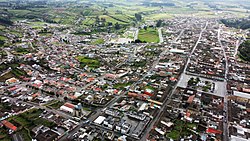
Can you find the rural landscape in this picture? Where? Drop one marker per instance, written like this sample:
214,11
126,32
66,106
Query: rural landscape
124,70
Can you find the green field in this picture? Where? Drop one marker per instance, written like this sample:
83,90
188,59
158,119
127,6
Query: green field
2,27
16,33
122,85
21,50
158,16
97,42
90,62
150,35
114,19
2,38
88,21
37,25
54,104
19,13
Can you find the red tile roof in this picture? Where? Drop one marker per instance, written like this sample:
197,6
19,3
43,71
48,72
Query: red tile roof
213,131
9,125
190,99
98,89
13,88
116,91
35,95
90,79
72,106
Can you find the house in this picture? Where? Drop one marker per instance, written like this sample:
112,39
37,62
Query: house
89,98
68,107
179,51
11,80
9,125
125,128
109,135
40,129
136,115
99,120
109,122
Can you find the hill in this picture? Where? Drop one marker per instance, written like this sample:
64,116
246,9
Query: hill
244,51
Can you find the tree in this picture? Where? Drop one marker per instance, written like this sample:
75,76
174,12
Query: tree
159,23
1,42
138,41
244,51
198,79
145,27
110,23
103,19
117,26
138,17
191,81
97,19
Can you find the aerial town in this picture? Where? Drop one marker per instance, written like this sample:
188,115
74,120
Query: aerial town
101,78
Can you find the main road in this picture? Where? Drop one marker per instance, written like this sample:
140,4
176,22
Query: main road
194,48
97,112
136,34
160,35
225,108
168,99
36,105
165,102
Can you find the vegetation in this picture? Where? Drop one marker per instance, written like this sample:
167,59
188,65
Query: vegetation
97,42
193,82
5,21
181,129
138,16
26,134
25,122
30,119
2,40
90,62
22,50
239,23
55,104
4,135
122,85
244,51
15,72
140,63
149,87
149,35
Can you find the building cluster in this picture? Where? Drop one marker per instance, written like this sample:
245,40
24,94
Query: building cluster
207,59
191,115
59,85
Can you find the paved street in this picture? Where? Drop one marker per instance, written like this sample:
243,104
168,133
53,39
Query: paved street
136,34
224,90
137,68
160,35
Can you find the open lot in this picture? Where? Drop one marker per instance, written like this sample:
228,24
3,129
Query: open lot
93,63
218,91
150,35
